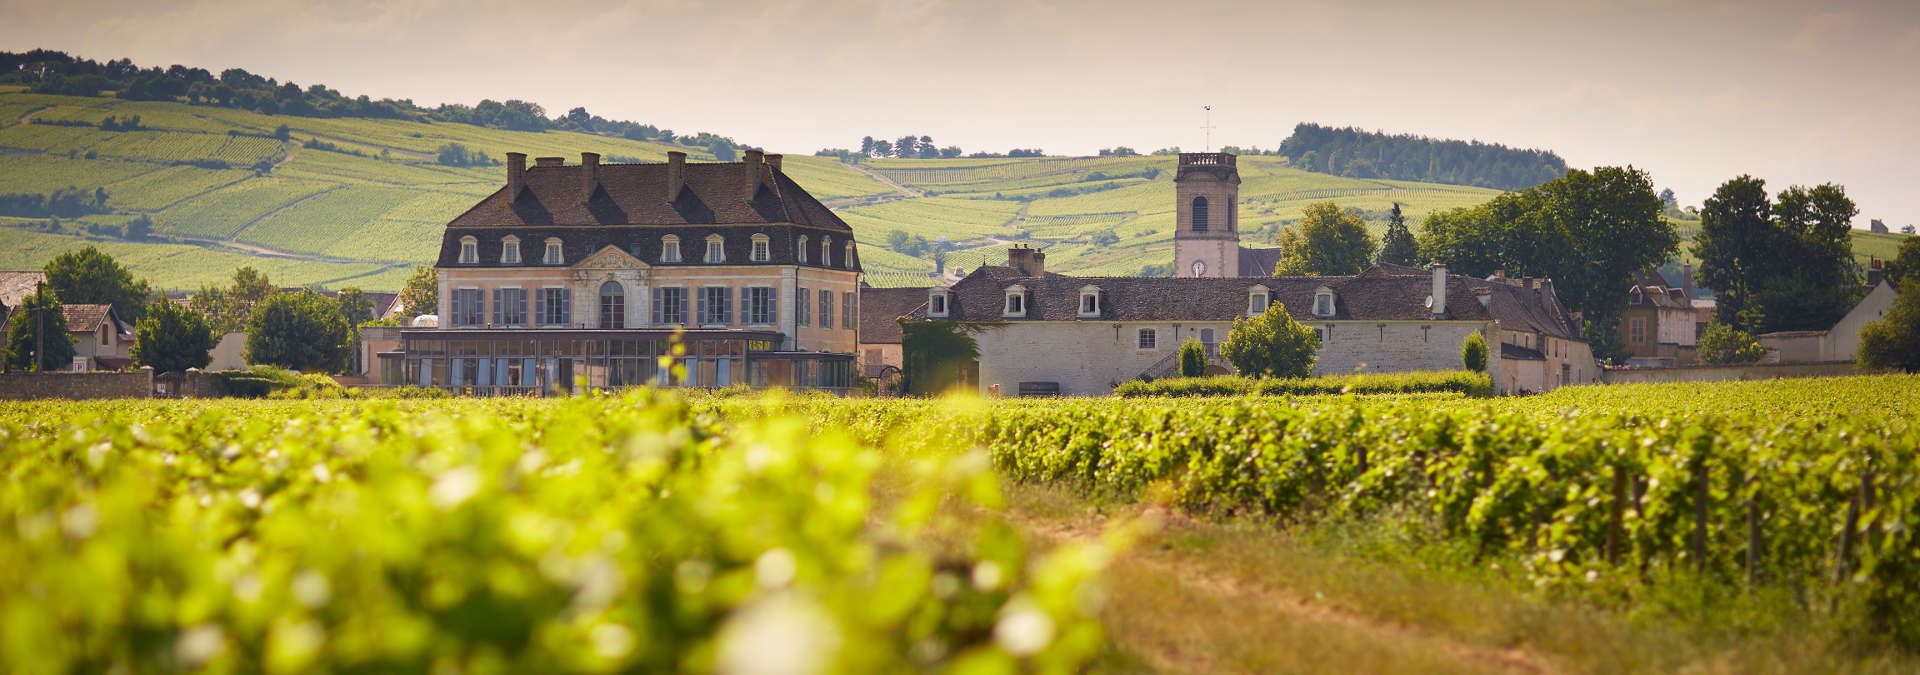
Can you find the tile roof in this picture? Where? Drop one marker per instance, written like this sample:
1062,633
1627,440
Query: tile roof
1654,290
16,285
634,194
880,309
87,318
1381,293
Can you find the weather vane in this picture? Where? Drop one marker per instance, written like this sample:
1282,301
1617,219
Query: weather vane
1208,127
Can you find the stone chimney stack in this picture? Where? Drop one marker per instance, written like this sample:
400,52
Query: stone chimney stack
773,161
676,173
589,175
1876,271
1027,261
516,173
752,159
1439,290
1686,282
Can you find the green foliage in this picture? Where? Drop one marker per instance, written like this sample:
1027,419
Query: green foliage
455,154
1327,242
421,294
173,338
299,331
91,277
937,355
1775,265
53,326
1473,353
1906,265
1587,231
596,534
228,309
1398,246
1193,359
1366,154
1272,345
1723,344
1893,341
1435,382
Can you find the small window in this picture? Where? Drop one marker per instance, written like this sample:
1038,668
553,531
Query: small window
1016,302
670,249
826,251
1639,330
937,303
1323,303
800,250
1257,300
1149,338
846,258
469,251
716,249
761,248
1089,301
510,251
555,254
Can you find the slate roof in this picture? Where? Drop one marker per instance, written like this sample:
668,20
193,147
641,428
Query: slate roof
1258,262
16,285
644,242
1655,291
880,309
1381,293
635,194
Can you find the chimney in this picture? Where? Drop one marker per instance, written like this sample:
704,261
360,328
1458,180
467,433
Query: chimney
589,175
751,159
1439,290
773,160
1686,282
1876,271
1029,262
676,173
516,174
1526,282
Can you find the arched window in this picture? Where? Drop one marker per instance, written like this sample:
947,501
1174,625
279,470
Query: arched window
510,250
800,250
1199,214
469,251
716,249
613,305
826,251
761,248
847,258
670,249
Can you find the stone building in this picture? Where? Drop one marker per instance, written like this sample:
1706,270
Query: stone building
730,272
880,336
1841,342
1206,235
1046,333
1659,324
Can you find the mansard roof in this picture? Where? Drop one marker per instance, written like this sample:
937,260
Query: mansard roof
636,194
644,242
1381,293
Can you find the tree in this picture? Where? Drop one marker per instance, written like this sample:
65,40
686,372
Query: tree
906,147
421,294
1735,247
173,338
1193,359
299,331
1893,342
1784,264
52,326
1473,353
1724,344
1668,200
1272,345
227,309
1328,241
1905,265
883,148
937,354
354,306
866,146
90,277
1398,246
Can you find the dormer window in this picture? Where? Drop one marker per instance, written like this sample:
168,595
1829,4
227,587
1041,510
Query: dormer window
1016,302
555,254
1323,302
800,250
847,258
510,250
1258,298
670,249
826,251
716,249
937,302
1089,301
761,248
469,251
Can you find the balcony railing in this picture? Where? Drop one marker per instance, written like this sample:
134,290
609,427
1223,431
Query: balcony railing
1207,159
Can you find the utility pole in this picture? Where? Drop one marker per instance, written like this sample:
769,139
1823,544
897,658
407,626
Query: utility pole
39,325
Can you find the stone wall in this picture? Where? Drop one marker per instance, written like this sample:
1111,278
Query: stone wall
1758,371
26,386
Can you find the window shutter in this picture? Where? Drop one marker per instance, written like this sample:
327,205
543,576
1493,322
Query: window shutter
738,314
656,305
539,306
773,305
497,293
566,307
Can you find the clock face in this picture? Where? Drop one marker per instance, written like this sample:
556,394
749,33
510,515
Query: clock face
1199,268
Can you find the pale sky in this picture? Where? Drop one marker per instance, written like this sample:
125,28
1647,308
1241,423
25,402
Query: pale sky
1693,92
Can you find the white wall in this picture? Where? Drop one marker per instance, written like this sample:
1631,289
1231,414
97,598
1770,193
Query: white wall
1843,341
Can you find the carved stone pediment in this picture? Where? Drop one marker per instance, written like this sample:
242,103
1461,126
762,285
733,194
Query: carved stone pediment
611,258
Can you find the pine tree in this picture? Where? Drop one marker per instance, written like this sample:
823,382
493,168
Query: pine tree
1398,246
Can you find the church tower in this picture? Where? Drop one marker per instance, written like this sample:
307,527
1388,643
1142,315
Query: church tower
1206,237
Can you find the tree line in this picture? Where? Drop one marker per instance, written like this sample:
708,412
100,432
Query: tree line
1370,154
54,72
911,146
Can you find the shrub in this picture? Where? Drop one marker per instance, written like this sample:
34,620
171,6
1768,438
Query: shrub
1725,345
301,331
1429,382
1893,342
1473,353
1193,359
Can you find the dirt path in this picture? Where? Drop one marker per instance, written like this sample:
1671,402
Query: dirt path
900,191
27,117
1147,579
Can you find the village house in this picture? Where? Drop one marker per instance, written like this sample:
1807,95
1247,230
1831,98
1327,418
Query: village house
101,339
881,357
1659,325
1044,333
1840,343
729,272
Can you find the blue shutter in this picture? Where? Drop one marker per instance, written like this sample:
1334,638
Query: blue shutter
656,305
773,305
566,307
497,316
